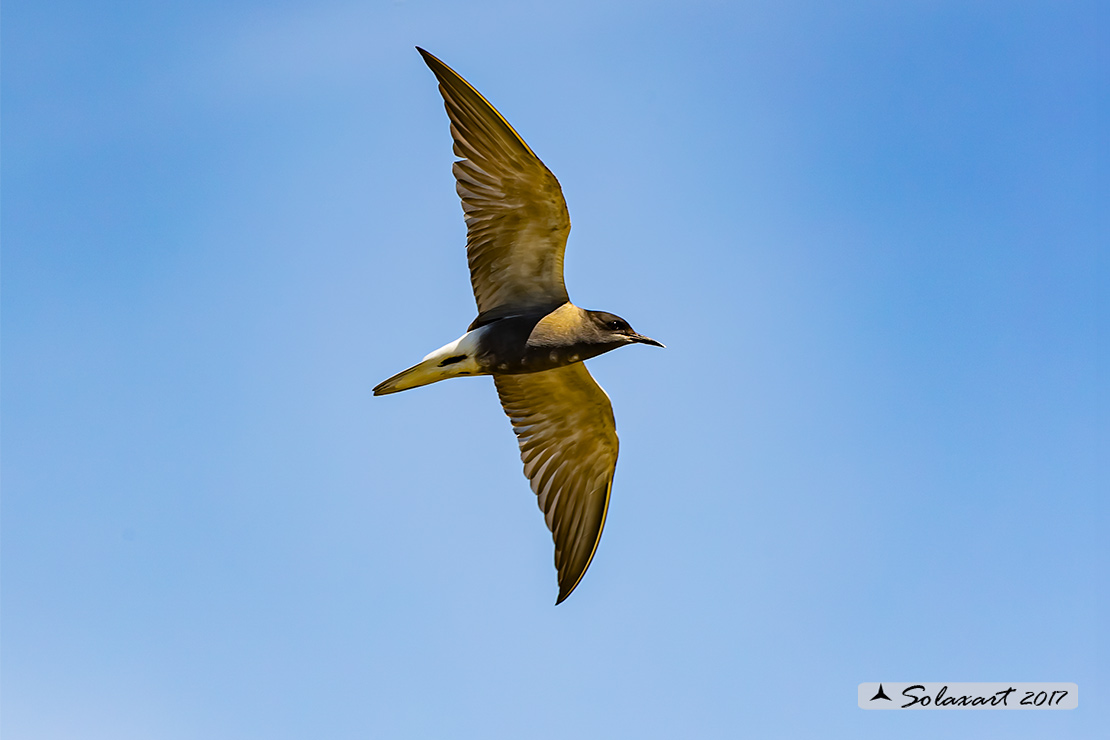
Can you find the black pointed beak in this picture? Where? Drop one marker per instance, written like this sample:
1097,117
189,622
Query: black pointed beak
647,340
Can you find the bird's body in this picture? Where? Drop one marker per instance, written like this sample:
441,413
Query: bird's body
528,335
515,345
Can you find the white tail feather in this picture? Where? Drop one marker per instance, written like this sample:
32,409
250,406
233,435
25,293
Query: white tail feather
449,361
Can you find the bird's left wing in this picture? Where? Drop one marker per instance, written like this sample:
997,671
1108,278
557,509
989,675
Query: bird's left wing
568,442
516,218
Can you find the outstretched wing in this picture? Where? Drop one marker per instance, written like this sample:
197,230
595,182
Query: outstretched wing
516,219
568,442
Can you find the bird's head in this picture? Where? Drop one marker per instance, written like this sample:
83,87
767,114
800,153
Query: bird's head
615,330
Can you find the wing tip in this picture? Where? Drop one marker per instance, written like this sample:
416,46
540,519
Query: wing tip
435,63
564,593
570,581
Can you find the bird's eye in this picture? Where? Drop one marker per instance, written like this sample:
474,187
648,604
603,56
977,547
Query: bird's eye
617,325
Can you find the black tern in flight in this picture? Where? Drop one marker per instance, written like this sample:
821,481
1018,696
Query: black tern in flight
528,335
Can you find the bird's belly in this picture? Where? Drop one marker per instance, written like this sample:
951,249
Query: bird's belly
535,359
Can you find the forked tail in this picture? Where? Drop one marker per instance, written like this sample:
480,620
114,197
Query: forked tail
449,361
420,374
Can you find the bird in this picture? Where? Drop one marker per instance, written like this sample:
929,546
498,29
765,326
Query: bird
528,335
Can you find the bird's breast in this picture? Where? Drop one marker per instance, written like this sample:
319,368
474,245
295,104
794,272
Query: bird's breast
540,340
525,344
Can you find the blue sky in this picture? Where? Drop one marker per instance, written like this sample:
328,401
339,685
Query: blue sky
871,235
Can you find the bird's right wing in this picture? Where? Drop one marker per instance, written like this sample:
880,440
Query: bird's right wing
516,218
568,442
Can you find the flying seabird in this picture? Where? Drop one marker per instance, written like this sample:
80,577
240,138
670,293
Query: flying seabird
528,335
